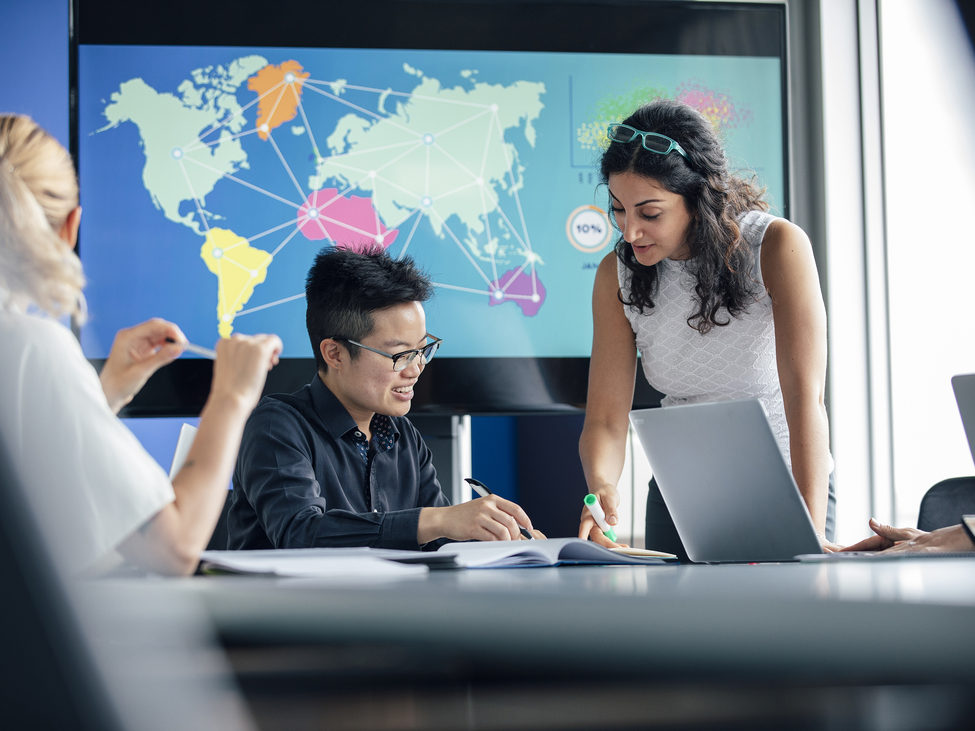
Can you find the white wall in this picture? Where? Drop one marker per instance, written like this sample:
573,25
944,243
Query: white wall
928,75
853,443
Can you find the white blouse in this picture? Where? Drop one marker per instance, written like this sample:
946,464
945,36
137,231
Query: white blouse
736,361
88,479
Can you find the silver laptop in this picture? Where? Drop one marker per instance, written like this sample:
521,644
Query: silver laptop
964,387
725,481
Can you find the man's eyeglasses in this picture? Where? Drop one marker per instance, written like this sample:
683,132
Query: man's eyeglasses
660,144
402,361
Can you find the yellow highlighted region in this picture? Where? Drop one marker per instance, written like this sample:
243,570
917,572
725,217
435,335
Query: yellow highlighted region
239,268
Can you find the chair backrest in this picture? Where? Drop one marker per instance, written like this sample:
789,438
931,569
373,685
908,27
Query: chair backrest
221,531
50,679
945,503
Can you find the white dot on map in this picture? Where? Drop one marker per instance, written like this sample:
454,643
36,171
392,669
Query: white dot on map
226,318
372,173
494,107
480,181
176,153
312,213
428,139
535,298
426,201
217,253
253,273
498,294
379,238
289,78
263,128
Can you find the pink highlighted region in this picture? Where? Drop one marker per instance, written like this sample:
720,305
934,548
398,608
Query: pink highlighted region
516,286
352,223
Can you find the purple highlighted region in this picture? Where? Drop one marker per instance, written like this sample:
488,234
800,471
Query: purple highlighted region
516,286
351,222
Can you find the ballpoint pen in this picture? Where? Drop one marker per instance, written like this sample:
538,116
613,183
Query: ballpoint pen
481,489
198,349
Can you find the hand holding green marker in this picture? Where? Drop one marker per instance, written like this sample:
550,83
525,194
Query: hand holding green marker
592,502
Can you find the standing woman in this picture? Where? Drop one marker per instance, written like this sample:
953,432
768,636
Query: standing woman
721,299
96,493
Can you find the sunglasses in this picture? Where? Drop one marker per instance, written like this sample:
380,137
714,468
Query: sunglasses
660,144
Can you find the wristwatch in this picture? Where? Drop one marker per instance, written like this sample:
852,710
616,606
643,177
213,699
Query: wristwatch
968,523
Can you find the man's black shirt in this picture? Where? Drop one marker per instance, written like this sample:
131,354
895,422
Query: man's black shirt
306,477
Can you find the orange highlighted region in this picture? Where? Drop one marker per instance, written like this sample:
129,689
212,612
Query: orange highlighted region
279,88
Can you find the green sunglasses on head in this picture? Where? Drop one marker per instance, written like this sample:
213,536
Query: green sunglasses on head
660,144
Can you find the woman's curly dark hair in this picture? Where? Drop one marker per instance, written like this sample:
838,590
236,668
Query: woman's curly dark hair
714,198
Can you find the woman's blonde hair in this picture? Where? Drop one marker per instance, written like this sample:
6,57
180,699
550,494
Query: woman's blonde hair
38,189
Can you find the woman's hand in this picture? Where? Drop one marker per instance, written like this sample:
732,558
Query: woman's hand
136,354
952,539
241,367
609,499
828,546
886,537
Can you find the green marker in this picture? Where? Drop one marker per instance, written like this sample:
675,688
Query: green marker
592,502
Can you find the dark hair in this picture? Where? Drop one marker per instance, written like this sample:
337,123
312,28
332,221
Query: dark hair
345,287
723,261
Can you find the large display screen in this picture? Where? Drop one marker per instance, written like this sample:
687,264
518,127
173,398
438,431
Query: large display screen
211,175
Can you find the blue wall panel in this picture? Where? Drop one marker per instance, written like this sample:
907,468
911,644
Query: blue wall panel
34,59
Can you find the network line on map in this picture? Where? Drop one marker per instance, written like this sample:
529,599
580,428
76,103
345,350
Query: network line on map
314,212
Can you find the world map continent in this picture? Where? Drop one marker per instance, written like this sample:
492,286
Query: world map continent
441,154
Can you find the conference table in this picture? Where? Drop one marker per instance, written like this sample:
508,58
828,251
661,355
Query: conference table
856,644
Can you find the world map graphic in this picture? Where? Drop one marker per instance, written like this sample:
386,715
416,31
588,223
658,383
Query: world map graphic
481,171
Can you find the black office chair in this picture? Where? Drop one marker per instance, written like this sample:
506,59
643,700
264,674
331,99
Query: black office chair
99,658
221,534
50,680
945,503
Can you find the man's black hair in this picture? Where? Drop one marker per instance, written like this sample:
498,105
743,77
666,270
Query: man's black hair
345,287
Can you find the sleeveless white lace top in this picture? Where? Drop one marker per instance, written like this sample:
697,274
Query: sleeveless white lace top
736,361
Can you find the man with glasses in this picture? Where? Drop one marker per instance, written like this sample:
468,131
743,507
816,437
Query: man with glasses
337,464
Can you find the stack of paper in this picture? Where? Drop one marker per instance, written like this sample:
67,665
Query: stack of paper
340,564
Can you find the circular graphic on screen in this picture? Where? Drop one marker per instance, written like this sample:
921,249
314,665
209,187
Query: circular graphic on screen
588,229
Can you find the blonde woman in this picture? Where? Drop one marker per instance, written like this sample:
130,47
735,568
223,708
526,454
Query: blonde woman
97,494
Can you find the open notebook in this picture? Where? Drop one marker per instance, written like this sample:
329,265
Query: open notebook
544,552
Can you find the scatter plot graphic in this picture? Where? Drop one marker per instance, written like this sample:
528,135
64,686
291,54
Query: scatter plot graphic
720,109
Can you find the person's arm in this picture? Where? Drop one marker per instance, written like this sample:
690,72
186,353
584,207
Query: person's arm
490,518
612,373
790,275
952,539
172,541
136,354
888,539
484,519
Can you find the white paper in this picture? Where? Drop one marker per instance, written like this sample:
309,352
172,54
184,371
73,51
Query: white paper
345,565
